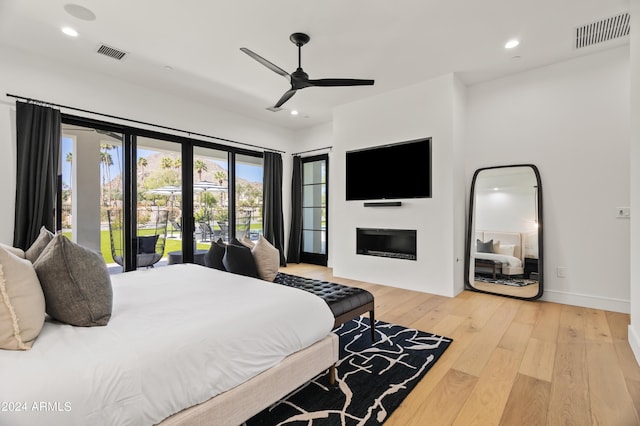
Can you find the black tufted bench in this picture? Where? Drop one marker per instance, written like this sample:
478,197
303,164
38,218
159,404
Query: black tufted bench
345,302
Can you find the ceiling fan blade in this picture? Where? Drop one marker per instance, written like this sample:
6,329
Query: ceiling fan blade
288,94
333,82
266,63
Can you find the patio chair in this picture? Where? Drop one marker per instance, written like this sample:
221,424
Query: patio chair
175,225
205,231
243,226
149,241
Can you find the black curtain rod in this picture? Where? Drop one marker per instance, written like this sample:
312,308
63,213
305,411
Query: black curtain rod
143,122
312,150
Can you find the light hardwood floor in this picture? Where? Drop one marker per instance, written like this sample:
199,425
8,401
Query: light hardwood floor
512,362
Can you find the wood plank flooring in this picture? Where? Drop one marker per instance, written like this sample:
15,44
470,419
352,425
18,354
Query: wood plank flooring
512,362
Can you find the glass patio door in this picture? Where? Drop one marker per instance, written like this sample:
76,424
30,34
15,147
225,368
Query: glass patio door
314,209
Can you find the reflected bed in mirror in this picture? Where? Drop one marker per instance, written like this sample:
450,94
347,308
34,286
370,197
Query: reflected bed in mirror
504,233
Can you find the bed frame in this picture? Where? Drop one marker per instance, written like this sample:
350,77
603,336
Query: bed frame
246,400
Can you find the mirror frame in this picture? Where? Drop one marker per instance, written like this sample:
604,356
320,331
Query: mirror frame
470,218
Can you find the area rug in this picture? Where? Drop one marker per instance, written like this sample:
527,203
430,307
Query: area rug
371,379
515,282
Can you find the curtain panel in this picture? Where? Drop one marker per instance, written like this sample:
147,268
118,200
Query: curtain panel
295,234
38,133
273,220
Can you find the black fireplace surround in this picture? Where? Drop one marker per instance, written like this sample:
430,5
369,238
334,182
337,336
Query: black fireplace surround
395,243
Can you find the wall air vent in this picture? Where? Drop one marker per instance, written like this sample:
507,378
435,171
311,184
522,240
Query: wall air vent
111,52
603,30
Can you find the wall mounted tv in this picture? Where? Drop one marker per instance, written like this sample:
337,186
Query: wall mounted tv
390,172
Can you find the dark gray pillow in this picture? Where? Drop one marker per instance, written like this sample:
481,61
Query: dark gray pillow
484,247
76,283
239,260
146,244
44,237
213,258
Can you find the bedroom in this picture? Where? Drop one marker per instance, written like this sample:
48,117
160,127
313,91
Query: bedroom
544,116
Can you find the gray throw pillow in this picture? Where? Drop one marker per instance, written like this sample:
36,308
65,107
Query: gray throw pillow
239,260
44,237
76,283
213,258
484,247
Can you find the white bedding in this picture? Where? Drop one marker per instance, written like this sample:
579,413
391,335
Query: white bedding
178,336
509,260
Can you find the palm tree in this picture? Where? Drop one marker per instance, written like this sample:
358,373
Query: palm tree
177,163
69,159
107,162
166,162
199,166
220,176
142,163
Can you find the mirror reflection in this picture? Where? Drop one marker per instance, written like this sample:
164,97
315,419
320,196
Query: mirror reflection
504,241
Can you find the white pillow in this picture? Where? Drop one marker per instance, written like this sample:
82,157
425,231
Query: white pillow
15,250
267,259
506,250
22,305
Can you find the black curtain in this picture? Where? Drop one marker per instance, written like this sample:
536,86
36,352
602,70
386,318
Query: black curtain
295,234
38,152
272,208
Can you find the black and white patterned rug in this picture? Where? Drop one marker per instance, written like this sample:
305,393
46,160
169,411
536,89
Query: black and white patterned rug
515,282
371,380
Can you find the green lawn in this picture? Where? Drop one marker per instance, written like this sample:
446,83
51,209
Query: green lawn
171,244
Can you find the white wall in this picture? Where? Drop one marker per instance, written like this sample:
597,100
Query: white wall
39,78
571,120
634,328
422,110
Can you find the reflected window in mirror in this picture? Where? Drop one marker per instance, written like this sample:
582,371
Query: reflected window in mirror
504,234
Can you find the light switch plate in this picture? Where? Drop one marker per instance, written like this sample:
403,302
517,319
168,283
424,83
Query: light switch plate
623,212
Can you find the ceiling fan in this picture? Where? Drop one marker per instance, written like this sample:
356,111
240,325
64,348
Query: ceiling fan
300,79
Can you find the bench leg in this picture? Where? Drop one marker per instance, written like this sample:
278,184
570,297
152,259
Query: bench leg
372,320
332,375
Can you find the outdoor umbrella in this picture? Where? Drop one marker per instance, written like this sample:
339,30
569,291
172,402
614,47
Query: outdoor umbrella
168,190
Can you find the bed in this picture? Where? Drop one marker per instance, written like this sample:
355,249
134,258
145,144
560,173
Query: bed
506,256
185,345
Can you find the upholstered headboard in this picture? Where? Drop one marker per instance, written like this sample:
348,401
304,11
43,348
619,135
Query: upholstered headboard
505,238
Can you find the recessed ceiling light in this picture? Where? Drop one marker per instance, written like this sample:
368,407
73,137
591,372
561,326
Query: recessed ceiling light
79,12
511,44
496,189
70,32
294,112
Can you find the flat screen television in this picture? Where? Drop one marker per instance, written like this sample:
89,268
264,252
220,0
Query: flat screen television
390,172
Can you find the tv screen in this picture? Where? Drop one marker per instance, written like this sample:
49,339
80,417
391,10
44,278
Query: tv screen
400,170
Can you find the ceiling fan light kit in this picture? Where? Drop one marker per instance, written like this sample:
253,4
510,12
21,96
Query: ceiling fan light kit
300,79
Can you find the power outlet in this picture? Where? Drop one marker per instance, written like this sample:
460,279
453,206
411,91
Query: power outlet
561,272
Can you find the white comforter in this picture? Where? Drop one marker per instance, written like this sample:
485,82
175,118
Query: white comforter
502,258
178,336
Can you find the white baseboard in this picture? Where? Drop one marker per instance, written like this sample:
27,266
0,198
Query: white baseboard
634,342
587,301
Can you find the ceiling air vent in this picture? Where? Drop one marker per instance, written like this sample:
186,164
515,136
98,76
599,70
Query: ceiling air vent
111,52
604,30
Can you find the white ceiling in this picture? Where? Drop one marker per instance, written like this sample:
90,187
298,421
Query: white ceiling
396,43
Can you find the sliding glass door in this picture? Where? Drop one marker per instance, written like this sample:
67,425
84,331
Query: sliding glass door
91,186
248,198
314,209
210,196
146,199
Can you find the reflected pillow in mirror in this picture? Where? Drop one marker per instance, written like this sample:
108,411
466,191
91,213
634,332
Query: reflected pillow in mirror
484,247
507,249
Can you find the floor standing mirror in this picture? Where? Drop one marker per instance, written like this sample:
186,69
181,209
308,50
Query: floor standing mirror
504,234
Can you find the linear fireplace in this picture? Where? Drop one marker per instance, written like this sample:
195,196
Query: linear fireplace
396,243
